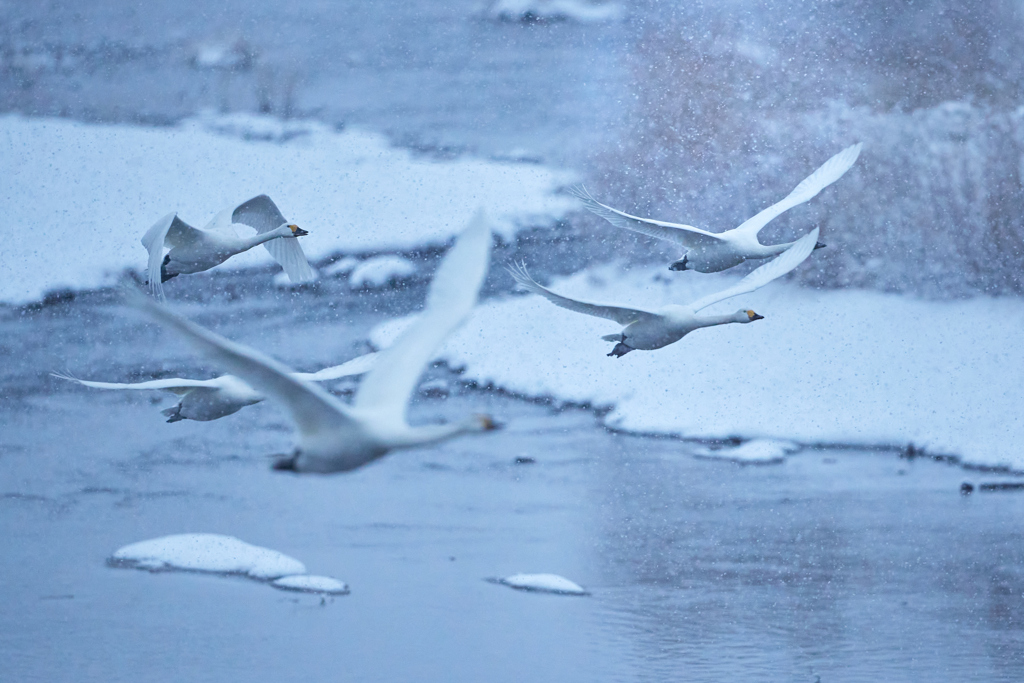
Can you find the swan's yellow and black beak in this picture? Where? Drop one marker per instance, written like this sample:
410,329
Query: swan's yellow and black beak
297,231
754,316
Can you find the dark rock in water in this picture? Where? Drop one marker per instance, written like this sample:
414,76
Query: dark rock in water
1002,486
966,489
524,460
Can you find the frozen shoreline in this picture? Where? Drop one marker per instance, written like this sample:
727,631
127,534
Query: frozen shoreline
836,367
78,197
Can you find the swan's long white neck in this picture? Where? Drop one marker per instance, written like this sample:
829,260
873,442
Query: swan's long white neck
261,237
428,434
768,250
712,320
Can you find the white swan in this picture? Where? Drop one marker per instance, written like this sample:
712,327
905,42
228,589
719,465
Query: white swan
194,250
211,399
648,331
332,436
709,252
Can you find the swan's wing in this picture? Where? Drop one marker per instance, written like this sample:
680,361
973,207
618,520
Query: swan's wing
262,214
356,366
169,230
453,293
172,384
686,235
776,268
622,316
829,172
313,409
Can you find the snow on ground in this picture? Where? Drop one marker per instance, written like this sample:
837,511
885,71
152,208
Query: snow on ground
836,366
78,197
554,10
753,452
543,583
342,266
208,553
380,271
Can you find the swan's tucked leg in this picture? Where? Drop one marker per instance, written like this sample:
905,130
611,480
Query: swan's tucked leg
174,413
286,463
621,349
819,245
678,265
164,275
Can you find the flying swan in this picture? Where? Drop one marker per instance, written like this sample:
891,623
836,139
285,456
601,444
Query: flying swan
211,399
709,252
648,331
194,250
333,436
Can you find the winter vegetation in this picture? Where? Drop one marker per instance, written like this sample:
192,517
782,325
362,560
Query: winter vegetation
731,114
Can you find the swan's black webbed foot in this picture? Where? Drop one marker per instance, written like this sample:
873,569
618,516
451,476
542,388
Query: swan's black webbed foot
620,350
286,463
819,245
679,265
174,414
164,275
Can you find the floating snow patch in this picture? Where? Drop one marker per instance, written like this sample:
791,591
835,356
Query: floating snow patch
207,553
754,452
380,271
554,10
86,193
217,554
342,266
824,366
542,583
309,583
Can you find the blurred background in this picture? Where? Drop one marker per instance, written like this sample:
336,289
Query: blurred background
696,112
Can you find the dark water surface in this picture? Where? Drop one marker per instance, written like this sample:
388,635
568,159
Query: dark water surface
430,74
843,565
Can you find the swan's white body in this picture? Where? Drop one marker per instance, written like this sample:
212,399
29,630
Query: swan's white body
332,436
649,330
211,399
709,252
194,250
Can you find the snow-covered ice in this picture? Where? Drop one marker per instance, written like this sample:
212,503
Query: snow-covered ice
380,271
753,452
543,583
342,266
212,553
554,10
78,197
310,583
835,366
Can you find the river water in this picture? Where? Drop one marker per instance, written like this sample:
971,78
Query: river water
838,565
843,564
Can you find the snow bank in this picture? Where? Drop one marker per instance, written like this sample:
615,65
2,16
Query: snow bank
78,197
342,266
850,367
380,271
753,452
542,583
208,553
